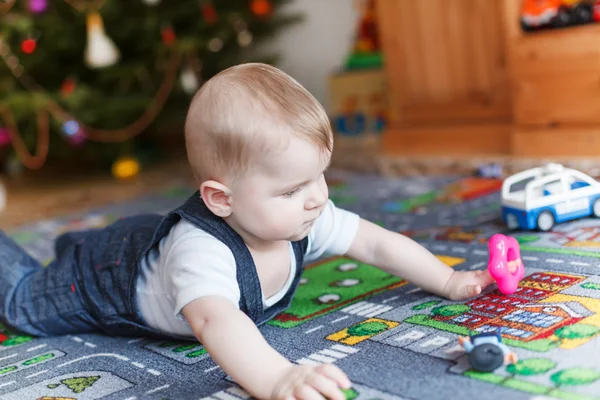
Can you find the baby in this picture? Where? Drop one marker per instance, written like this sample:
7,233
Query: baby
231,257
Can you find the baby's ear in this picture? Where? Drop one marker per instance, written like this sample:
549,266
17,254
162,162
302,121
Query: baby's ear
217,198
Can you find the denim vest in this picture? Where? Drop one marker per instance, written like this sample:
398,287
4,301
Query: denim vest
108,263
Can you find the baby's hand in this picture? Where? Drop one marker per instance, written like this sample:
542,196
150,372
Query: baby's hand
312,382
466,284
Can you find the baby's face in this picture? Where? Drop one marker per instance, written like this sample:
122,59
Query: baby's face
282,197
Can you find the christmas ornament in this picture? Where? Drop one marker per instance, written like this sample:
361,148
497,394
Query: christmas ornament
4,137
261,8
78,138
151,2
125,168
73,132
244,38
28,45
237,22
100,51
189,81
38,6
67,87
168,35
215,44
208,12
70,127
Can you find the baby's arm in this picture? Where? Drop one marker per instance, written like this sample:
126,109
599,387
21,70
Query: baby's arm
401,256
237,346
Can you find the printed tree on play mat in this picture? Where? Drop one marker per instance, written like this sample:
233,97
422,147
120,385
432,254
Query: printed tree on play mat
530,367
367,328
573,377
451,310
76,384
426,305
576,331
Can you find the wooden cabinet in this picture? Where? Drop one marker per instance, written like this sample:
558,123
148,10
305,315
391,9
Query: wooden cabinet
555,89
466,80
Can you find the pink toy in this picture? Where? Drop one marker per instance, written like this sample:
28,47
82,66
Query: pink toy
505,263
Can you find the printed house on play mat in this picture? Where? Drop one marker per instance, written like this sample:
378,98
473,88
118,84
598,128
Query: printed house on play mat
521,316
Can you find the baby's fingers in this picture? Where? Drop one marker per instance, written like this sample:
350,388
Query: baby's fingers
466,291
327,387
336,374
484,278
307,392
474,290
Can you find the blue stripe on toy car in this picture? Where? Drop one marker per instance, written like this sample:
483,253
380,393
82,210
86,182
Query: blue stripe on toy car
582,207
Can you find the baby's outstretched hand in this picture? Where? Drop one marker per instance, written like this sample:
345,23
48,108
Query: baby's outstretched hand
467,284
311,382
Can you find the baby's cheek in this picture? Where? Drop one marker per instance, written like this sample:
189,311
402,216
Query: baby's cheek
282,224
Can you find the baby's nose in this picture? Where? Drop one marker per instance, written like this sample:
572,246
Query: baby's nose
317,199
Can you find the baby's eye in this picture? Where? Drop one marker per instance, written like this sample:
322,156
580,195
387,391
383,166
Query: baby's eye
291,193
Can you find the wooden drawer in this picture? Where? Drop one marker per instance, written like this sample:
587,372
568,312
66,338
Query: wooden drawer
556,77
556,142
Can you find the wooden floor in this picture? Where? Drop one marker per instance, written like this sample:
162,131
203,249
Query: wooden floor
49,194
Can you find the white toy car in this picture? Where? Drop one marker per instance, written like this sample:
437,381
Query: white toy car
540,197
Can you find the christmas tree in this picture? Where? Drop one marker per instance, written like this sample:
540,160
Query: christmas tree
95,79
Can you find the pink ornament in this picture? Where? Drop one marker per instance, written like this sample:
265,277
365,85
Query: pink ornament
78,138
504,263
38,6
4,137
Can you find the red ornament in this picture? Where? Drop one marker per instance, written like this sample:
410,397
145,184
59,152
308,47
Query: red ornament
597,11
209,13
28,46
168,35
67,87
261,8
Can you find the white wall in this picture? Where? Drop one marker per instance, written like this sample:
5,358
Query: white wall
317,46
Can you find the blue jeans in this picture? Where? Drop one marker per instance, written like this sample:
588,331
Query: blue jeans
89,287
36,300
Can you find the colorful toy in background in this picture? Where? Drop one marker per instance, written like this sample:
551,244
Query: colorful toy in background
538,198
366,52
367,40
548,14
469,189
490,171
359,103
486,351
461,191
504,263
350,122
378,116
353,122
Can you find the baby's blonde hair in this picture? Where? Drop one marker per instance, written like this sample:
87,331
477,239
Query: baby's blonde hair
229,115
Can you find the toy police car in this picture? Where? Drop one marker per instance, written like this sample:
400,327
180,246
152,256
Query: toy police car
540,197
